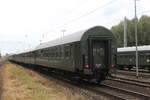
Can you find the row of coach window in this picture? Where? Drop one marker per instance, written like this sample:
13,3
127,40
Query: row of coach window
57,52
131,56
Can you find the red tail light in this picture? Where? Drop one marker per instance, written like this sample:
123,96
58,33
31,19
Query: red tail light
86,66
113,65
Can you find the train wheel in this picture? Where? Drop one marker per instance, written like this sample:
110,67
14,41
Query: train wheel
129,68
121,67
149,69
98,81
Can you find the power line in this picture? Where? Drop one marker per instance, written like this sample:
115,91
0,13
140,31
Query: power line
94,10
90,12
143,12
82,3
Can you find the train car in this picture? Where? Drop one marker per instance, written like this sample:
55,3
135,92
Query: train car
126,57
89,53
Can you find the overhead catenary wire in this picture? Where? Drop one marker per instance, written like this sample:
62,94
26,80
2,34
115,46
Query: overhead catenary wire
82,3
90,12
94,10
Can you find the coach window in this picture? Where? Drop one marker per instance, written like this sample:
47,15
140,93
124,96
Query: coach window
142,55
59,52
44,53
148,56
30,54
56,50
48,53
52,53
125,56
62,52
120,56
39,53
67,52
71,51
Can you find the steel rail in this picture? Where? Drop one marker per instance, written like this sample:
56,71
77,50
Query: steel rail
131,83
136,94
133,80
131,73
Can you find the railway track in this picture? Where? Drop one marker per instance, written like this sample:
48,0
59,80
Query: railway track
134,70
131,82
111,92
131,73
127,94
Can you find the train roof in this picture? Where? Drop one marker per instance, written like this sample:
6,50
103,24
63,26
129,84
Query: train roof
129,49
25,51
66,39
73,37
78,36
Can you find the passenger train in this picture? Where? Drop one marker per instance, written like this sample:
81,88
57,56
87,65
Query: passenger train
88,54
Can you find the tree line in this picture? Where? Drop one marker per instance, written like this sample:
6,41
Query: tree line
143,32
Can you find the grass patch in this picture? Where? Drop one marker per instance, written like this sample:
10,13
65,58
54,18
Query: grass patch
37,91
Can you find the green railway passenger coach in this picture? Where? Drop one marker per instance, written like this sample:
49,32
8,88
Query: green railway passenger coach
126,57
89,53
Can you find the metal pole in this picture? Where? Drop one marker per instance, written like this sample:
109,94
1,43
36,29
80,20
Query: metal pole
40,41
125,32
63,31
25,41
136,42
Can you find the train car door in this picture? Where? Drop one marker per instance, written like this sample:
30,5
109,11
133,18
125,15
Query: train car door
99,53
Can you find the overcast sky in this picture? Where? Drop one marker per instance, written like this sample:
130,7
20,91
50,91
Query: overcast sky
24,23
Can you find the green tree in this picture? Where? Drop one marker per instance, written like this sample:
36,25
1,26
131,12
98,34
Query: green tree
143,32
117,30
